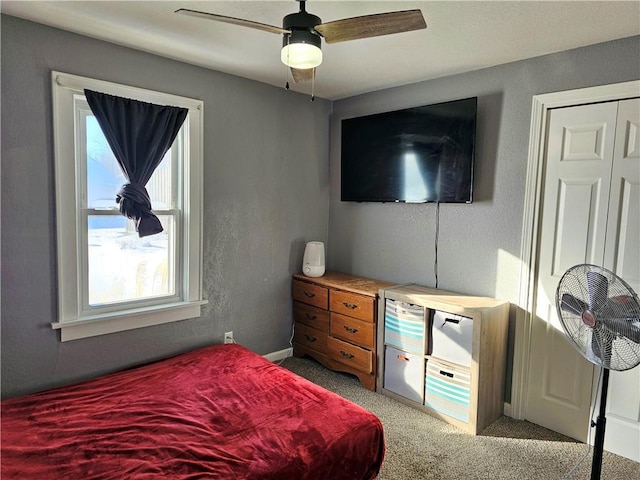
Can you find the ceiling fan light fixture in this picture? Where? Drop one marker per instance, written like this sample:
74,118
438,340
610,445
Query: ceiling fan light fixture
301,50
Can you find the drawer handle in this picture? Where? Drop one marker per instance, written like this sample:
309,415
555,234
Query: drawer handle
308,294
310,338
347,355
350,306
455,321
350,329
310,317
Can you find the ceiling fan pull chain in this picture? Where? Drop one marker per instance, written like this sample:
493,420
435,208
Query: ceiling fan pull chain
313,85
286,85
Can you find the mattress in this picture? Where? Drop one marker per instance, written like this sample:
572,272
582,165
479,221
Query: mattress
220,412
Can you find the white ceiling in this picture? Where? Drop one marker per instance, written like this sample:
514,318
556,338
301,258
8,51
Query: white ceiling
461,35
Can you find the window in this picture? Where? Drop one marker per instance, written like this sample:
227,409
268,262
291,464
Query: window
109,279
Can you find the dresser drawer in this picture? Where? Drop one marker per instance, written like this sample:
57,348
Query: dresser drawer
352,304
311,338
311,294
312,316
351,355
353,330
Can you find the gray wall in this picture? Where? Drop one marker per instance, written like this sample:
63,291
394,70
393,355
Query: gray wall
479,244
266,192
269,168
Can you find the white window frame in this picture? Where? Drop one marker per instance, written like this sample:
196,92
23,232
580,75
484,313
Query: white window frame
75,321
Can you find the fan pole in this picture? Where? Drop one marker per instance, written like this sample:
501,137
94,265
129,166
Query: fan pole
596,465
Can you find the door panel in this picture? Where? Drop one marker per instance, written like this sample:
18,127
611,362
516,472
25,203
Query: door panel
563,386
576,239
578,164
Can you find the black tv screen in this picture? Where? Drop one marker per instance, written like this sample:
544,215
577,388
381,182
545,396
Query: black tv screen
415,155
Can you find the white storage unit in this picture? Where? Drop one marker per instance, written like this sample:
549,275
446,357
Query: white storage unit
452,336
462,372
404,373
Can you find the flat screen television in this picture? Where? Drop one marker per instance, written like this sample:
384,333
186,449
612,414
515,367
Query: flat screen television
415,155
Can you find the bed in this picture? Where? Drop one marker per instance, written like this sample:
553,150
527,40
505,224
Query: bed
220,412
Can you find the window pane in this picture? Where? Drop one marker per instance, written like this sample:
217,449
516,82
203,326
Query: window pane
159,185
105,177
124,267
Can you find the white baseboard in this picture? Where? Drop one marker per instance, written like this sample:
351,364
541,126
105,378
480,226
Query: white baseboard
279,355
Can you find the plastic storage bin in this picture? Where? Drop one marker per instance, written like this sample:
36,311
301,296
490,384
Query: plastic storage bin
448,389
404,374
451,337
405,326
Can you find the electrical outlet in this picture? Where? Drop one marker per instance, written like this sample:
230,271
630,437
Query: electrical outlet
228,337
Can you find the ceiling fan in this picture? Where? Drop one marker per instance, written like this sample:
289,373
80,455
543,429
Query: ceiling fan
302,33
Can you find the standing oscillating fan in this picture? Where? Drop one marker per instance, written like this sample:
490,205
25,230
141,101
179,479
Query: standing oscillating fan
600,313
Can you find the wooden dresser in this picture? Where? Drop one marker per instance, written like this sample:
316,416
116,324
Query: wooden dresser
336,322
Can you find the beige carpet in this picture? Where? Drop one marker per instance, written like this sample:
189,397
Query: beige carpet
420,447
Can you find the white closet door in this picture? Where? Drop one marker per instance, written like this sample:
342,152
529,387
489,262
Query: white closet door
622,256
578,166
622,252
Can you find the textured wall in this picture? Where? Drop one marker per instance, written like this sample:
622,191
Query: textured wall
479,244
266,192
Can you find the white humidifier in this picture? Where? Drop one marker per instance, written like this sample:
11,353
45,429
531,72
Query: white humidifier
313,261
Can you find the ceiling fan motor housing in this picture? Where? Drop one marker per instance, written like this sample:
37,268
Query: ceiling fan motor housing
301,26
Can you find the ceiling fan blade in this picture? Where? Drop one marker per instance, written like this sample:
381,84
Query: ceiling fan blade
302,75
235,21
573,304
371,26
598,288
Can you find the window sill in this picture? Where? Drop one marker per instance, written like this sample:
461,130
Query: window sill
127,320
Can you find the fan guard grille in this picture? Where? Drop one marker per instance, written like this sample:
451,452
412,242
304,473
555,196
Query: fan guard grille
600,313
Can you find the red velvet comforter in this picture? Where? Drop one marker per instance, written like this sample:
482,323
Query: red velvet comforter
221,412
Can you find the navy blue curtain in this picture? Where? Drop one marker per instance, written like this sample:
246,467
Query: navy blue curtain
139,135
